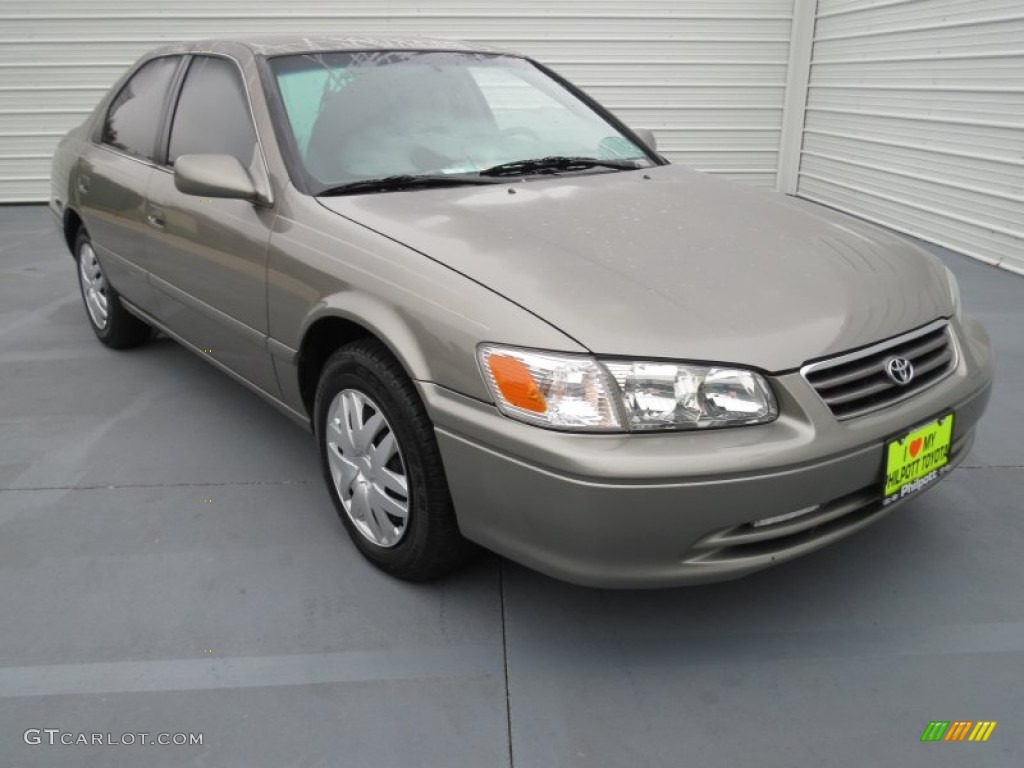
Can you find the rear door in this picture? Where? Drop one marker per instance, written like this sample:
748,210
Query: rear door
209,266
114,171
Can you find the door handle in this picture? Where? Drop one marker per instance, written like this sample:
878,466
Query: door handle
156,218
83,184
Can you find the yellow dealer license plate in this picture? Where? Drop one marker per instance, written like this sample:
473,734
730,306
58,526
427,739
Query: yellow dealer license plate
917,459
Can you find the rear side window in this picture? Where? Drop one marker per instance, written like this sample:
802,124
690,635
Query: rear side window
213,113
133,118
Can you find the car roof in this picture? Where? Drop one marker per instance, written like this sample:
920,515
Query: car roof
275,45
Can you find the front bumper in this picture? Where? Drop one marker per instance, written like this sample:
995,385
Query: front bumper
671,509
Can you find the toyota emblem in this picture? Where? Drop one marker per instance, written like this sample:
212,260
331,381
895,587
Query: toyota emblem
900,370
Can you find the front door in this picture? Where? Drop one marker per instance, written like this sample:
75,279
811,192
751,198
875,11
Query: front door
210,266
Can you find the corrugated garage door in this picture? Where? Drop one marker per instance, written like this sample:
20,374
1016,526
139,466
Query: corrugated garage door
707,75
915,119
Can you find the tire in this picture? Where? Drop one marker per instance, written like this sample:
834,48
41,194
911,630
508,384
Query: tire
360,382
113,325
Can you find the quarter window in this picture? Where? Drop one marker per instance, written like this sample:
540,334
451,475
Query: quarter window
213,115
133,118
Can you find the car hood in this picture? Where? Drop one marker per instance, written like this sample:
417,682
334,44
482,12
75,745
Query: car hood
671,263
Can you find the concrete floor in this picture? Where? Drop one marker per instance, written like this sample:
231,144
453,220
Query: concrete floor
169,562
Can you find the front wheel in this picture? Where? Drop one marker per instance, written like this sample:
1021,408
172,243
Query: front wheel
113,325
382,465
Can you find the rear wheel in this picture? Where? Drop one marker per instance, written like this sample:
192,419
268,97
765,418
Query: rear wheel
382,465
111,322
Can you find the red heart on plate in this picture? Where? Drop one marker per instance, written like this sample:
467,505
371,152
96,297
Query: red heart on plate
915,447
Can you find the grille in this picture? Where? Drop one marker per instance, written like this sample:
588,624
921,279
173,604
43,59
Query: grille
857,383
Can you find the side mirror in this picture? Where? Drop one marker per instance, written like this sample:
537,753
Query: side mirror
214,176
646,135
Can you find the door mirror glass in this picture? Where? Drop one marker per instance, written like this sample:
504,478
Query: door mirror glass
214,176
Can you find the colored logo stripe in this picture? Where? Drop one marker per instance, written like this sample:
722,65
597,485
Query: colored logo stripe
935,730
958,730
982,730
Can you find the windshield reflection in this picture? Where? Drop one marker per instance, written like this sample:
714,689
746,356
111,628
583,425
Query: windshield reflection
369,115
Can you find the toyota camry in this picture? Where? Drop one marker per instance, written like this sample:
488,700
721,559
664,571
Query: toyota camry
506,319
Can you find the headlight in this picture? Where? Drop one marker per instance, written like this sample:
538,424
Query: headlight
578,392
684,396
954,292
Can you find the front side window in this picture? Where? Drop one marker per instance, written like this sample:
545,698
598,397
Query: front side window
366,115
133,119
212,116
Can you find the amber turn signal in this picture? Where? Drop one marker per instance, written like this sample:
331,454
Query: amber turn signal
516,384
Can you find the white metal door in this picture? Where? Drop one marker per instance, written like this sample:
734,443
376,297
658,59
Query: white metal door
915,119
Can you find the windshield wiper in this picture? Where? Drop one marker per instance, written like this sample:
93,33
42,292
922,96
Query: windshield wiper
556,163
405,181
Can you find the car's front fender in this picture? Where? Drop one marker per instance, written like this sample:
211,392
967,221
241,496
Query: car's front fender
322,265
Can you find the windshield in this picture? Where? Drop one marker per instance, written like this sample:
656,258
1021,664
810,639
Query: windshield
372,115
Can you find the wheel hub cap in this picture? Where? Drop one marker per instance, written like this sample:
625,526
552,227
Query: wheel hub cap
94,286
367,468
